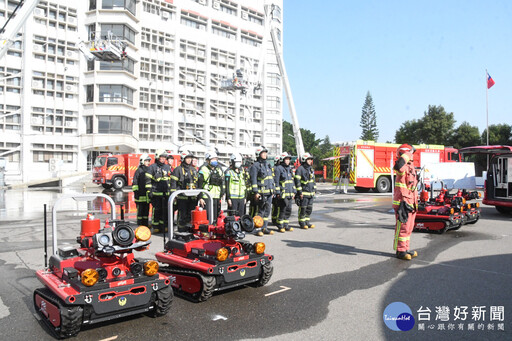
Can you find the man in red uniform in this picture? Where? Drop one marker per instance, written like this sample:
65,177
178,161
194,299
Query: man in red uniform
405,201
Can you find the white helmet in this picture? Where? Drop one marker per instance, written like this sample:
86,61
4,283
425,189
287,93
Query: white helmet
260,150
144,157
277,159
306,156
160,153
235,158
210,155
283,156
186,153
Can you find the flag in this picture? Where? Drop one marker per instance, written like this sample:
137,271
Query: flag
490,81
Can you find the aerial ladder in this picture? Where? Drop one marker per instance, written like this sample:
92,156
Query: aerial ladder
14,23
241,83
106,48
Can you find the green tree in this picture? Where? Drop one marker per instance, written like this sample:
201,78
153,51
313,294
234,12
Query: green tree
309,140
465,135
369,120
408,132
288,139
498,134
435,127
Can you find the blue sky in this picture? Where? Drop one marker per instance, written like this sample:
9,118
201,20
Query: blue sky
409,54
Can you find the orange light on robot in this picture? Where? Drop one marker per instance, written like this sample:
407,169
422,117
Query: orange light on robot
150,268
222,254
259,248
142,233
89,277
258,221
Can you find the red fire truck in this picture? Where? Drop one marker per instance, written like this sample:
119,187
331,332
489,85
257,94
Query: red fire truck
367,164
116,170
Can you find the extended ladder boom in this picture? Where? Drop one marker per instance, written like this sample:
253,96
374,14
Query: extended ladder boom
14,25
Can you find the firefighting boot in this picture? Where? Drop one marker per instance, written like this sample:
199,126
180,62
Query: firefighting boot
288,228
311,226
303,226
403,255
280,228
267,231
412,253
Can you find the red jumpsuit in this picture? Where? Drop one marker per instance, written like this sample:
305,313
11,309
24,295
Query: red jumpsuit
405,190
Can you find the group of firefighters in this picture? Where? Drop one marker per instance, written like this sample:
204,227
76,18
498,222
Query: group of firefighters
270,190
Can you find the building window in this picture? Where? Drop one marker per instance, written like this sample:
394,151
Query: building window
88,124
128,5
118,30
193,20
273,102
118,65
224,30
116,94
115,125
274,125
90,93
274,79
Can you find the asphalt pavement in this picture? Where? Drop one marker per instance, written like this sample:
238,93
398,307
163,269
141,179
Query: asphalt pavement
333,282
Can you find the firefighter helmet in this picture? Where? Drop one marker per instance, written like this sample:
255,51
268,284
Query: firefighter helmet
161,153
305,157
283,156
144,157
210,155
235,158
405,148
260,150
277,159
186,153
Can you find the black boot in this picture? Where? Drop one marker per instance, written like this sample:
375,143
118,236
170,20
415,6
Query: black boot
403,255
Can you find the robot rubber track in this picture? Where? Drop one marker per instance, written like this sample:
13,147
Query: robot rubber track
70,316
207,283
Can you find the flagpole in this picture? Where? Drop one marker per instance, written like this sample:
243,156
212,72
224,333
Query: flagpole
487,102
487,109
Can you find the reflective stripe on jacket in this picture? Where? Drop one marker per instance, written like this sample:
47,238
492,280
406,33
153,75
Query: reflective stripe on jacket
140,191
284,180
405,182
305,180
262,181
205,174
159,176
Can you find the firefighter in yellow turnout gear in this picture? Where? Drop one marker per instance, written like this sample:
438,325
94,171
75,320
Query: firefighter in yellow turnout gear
211,178
236,191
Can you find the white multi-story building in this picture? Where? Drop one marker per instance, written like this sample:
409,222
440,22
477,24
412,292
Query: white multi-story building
59,109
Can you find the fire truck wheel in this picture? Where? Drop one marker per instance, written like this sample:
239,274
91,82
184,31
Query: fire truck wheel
118,183
361,189
383,185
163,301
503,209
